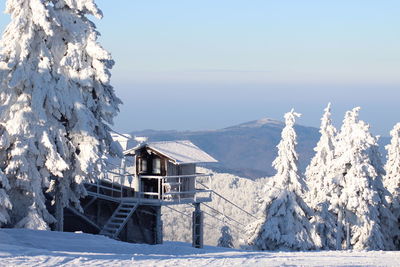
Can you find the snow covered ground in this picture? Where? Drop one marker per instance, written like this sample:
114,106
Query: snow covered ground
21,247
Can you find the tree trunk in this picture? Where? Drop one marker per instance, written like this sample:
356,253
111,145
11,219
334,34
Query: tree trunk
59,211
339,230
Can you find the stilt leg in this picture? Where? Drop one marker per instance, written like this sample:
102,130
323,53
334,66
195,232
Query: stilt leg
197,227
159,226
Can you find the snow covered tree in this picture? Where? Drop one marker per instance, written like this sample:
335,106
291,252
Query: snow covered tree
320,185
391,179
5,203
56,103
358,173
226,239
285,225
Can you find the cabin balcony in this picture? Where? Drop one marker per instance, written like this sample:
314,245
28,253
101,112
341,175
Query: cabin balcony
153,189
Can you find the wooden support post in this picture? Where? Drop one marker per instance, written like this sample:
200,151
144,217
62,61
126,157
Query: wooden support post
158,226
59,212
197,227
98,211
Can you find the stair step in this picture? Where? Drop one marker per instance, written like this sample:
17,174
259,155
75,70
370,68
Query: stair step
114,223
129,207
117,219
125,206
122,213
118,222
113,226
124,209
121,216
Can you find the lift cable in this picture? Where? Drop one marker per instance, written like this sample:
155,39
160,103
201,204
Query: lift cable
211,216
120,134
226,216
184,214
230,202
225,222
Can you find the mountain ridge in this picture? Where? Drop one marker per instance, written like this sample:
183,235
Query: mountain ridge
246,149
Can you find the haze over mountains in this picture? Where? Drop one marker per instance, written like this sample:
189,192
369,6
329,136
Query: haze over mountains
247,149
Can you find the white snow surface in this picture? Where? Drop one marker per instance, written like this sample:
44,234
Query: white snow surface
23,247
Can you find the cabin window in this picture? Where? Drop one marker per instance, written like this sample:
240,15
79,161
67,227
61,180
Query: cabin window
157,166
143,166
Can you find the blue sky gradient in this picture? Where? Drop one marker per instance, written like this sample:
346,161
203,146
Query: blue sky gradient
209,64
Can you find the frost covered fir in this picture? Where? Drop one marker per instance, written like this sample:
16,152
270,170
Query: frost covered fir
5,203
359,200
226,239
319,166
285,225
55,104
391,180
321,186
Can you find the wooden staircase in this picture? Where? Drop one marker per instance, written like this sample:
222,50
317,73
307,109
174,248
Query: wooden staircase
119,218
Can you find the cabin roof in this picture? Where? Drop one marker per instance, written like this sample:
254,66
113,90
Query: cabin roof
181,152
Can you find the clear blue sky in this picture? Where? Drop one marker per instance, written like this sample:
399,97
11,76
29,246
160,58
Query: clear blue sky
208,64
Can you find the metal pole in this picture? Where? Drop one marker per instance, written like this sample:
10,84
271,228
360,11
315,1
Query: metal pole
197,227
159,226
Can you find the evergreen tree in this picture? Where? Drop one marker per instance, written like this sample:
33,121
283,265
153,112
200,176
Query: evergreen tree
56,102
5,203
226,239
320,186
357,172
285,225
391,179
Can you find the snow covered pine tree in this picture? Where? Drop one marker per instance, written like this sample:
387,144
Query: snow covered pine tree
285,225
56,103
320,187
391,179
226,239
5,203
361,201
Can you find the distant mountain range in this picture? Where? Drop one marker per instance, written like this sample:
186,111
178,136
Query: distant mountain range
247,149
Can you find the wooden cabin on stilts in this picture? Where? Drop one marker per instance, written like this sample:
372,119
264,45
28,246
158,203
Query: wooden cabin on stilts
126,203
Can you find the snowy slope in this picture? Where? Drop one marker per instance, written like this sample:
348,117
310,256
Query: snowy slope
42,248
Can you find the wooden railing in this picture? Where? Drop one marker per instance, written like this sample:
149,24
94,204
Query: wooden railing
169,190
178,188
